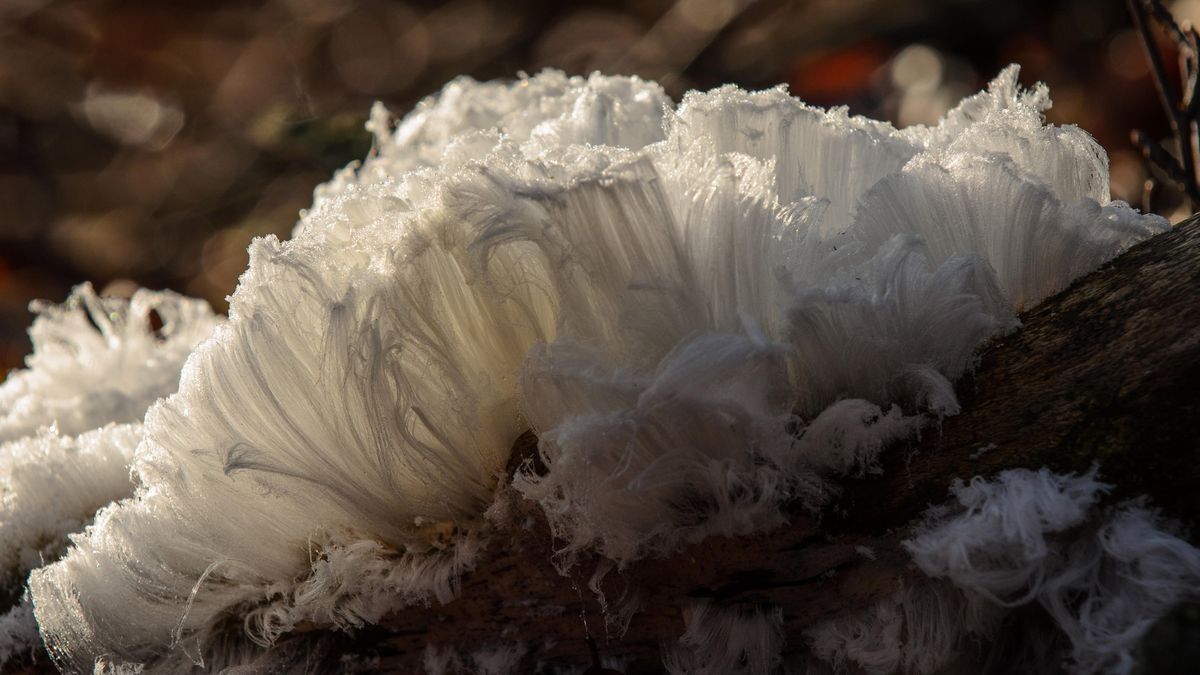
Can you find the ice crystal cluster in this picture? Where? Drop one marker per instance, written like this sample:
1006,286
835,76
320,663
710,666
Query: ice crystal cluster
71,421
705,311
1102,575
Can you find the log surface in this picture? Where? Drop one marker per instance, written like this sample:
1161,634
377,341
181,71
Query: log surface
1107,372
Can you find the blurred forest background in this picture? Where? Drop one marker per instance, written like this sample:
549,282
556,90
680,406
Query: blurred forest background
145,143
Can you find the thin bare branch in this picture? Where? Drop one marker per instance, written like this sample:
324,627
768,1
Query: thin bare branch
1160,158
1166,94
1189,67
1163,16
1182,108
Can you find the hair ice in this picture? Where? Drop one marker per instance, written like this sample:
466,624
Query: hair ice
704,313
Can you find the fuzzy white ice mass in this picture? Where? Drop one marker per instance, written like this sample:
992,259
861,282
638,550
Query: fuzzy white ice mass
70,422
705,311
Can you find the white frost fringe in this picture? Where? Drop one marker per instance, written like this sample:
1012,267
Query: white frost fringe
52,486
70,422
18,632
96,361
1103,576
727,642
490,660
704,312
923,628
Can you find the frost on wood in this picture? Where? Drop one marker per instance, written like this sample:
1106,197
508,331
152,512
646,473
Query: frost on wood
99,360
1023,538
70,422
726,642
704,312
52,485
491,660
18,632
927,628
1103,575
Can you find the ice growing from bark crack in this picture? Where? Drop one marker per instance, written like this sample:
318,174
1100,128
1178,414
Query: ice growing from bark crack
1102,575
704,311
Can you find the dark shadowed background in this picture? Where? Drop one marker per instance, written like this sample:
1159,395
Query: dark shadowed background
145,143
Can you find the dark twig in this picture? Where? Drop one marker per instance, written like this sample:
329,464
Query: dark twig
1163,16
1182,106
1188,66
1166,95
1158,156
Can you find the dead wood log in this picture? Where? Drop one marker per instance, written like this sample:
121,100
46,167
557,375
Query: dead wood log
1107,371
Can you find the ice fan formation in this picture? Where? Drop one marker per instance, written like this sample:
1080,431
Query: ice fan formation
705,311
69,424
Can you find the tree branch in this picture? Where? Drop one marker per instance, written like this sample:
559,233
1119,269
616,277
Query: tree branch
1181,107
